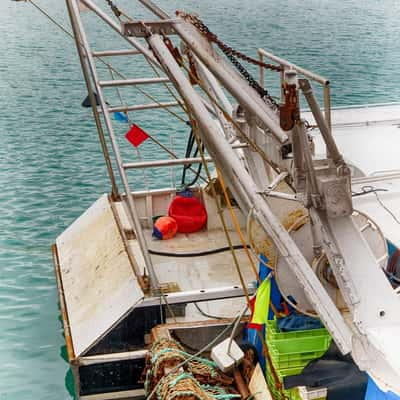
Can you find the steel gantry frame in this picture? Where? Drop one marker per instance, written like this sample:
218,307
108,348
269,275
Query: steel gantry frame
375,319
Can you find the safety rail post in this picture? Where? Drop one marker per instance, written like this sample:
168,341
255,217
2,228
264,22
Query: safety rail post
327,105
261,69
308,74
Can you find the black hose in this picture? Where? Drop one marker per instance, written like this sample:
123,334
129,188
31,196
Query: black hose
188,153
366,190
198,254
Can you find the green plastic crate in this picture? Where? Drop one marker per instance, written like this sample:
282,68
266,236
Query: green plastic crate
282,373
292,394
272,332
289,353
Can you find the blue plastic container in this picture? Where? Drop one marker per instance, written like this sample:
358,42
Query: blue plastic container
374,393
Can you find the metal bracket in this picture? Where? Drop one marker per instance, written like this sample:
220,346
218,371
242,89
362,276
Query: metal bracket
141,28
198,295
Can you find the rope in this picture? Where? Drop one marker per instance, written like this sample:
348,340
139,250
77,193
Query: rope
197,377
220,213
179,386
229,118
205,348
237,225
120,74
130,123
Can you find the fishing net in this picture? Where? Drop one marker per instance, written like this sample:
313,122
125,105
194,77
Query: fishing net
195,378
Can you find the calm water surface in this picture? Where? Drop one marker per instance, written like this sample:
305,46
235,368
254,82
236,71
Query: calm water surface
51,167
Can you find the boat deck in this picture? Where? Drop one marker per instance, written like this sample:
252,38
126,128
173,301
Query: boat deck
201,272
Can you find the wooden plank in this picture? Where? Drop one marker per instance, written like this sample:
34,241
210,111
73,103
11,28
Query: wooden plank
258,387
99,284
126,394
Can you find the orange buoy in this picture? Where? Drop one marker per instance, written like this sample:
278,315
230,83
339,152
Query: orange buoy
165,228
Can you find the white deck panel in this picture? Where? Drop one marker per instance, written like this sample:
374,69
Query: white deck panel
383,207
98,280
368,137
369,113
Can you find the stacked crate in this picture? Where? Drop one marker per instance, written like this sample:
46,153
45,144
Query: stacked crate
290,352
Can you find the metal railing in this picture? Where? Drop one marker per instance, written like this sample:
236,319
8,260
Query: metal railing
308,74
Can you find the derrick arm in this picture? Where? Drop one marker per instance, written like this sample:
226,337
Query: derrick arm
324,189
321,186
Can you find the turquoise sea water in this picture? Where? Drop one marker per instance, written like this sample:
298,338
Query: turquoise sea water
51,167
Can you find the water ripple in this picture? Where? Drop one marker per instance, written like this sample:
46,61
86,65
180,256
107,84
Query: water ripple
51,168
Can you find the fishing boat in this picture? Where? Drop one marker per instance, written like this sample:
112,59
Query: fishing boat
270,195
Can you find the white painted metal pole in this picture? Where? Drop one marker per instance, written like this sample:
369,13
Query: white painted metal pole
331,148
215,87
244,186
315,77
135,43
132,214
166,163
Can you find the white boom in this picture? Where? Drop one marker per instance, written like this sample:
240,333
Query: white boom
322,186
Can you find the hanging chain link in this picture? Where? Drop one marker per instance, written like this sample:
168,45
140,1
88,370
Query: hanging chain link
117,12
233,56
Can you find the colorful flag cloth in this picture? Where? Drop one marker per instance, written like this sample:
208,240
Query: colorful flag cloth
120,117
136,135
260,314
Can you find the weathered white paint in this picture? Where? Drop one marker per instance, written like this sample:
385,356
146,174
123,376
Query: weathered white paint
99,284
368,137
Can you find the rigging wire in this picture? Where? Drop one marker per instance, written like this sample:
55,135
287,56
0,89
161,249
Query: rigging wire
121,75
146,183
117,12
237,226
220,212
245,137
201,351
204,314
386,208
370,189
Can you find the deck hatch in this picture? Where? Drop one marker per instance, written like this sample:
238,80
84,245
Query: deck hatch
100,287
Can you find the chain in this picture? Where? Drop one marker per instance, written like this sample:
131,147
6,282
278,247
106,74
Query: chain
117,12
252,82
233,56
